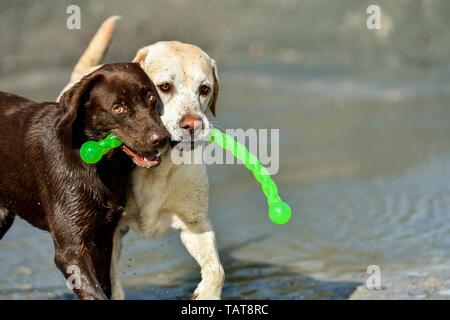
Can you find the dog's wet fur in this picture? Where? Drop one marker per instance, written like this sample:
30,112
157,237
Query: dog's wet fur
44,181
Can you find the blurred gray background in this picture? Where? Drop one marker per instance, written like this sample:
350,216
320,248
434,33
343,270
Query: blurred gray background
298,33
364,121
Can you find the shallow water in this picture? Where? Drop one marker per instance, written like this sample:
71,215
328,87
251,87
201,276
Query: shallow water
364,165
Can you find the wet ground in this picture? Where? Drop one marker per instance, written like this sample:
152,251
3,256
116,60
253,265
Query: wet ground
364,165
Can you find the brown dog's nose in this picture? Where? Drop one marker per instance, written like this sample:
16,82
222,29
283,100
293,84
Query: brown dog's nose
158,140
191,123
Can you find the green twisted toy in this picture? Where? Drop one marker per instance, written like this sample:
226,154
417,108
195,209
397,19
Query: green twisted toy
279,211
92,152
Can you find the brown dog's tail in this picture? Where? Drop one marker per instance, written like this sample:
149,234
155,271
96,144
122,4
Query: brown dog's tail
96,49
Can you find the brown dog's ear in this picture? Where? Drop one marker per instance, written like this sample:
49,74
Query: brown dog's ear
140,55
212,104
73,98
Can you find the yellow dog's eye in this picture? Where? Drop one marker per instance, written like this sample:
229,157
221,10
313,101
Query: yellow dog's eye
204,90
165,87
151,98
118,108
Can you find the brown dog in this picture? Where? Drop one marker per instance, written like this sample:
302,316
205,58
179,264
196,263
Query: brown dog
44,181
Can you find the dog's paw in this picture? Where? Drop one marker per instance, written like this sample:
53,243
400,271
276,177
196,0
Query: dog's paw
118,293
207,292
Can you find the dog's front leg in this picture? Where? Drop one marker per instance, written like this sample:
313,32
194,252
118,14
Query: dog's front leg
84,258
117,290
200,241
75,262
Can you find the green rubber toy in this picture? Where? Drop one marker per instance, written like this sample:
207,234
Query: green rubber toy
279,211
92,152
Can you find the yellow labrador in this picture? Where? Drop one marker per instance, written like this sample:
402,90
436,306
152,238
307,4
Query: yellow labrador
170,195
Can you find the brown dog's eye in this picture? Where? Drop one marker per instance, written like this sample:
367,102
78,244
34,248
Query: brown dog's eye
204,90
151,98
165,87
118,108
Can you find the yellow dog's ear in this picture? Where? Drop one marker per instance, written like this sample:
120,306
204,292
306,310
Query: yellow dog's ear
141,55
212,104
